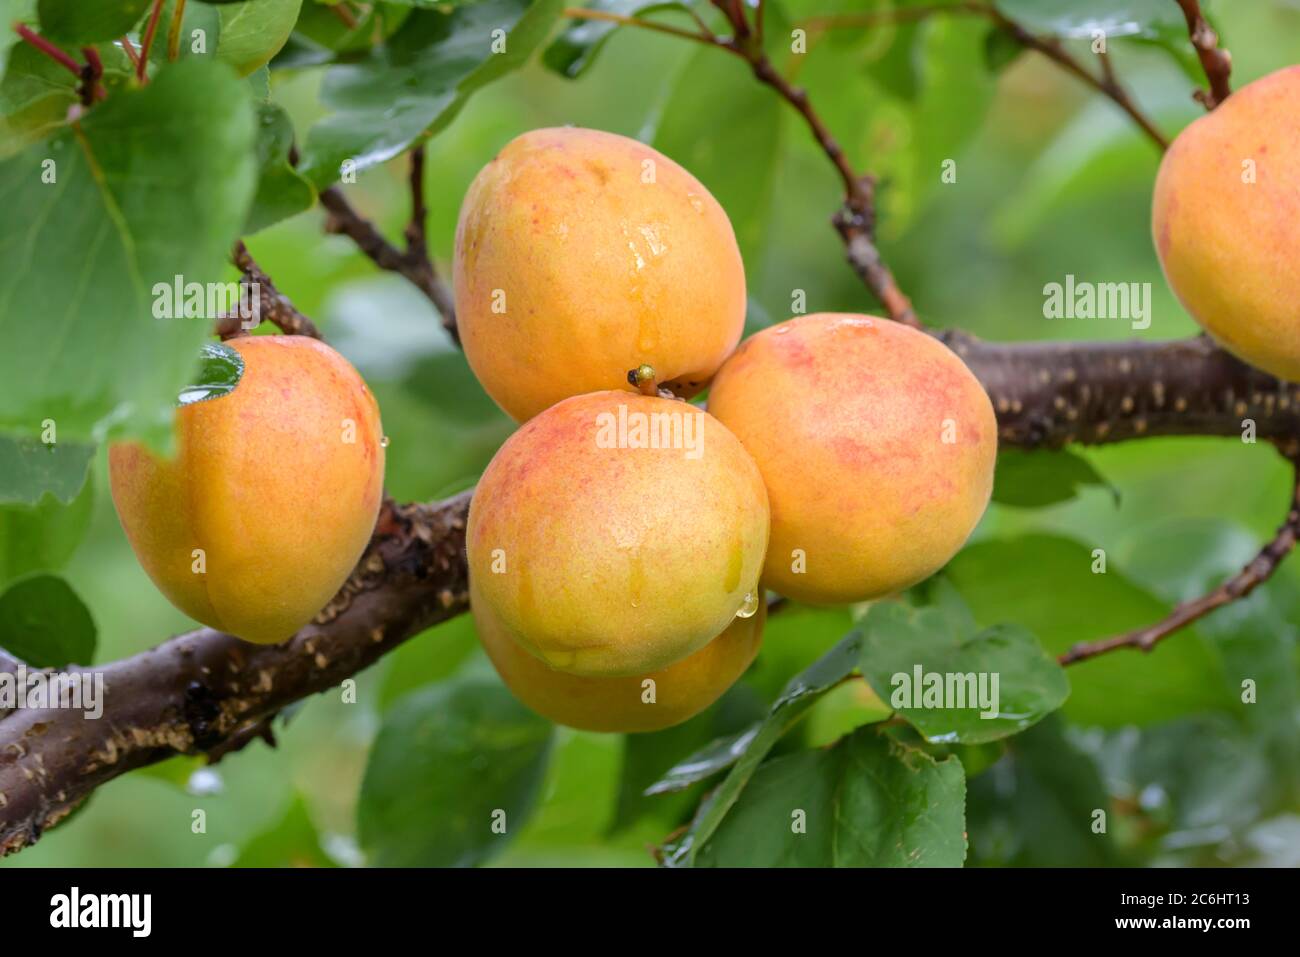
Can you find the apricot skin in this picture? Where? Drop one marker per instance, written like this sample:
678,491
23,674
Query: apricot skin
1230,248
598,271
616,561
681,691
846,417
266,485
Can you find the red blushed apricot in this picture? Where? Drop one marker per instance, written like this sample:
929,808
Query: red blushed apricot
271,498
627,704
1225,219
616,533
581,255
876,444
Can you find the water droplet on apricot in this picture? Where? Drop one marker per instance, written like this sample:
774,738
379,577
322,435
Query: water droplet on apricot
749,606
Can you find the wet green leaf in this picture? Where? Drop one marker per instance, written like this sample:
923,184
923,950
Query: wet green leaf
956,685
452,775
220,369
868,801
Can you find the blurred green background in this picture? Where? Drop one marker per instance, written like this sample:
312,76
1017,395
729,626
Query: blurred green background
1051,180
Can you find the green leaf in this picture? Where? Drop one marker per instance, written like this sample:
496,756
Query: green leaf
1037,806
42,537
419,79
79,21
11,12
575,50
799,695
447,761
293,841
281,191
45,624
219,372
30,468
649,758
254,31
1046,584
868,801
715,757
1033,479
728,140
906,649
151,185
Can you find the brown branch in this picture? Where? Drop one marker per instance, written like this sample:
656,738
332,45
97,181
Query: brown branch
1254,574
1216,63
272,305
206,692
413,263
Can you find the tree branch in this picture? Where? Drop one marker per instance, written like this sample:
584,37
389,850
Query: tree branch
202,691
1216,63
272,305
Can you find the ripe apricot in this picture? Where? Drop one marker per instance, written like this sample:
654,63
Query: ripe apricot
1224,219
271,498
581,255
616,533
876,443
678,692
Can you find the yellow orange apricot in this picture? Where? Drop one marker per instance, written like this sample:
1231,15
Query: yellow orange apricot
1226,222
581,255
877,446
272,495
648,702
616,533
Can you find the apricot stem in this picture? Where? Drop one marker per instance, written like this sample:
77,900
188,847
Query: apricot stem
643,377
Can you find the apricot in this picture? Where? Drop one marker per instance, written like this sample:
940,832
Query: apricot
271,497
581,255
1226,222
876,443
617,533
627,704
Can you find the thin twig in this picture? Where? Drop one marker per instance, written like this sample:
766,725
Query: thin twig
413,263
174,33
344,13
1254,574
131,53
1216,63
147,41
272,305
48,48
